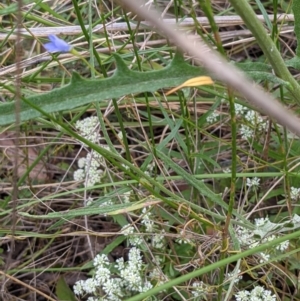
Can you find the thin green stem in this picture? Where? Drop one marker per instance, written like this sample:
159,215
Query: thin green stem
232,190
207,9
92,61
85,33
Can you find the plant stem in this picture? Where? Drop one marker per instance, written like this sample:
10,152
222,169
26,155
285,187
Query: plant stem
269,48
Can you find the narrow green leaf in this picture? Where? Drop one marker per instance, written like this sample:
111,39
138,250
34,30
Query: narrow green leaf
260,72
265,14
104,210
63,292
294,62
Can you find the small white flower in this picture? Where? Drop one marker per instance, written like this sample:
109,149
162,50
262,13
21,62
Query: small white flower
101,260
283,246
158,241
242,296
126,196
254,182
233,274
93,299
255,119
122,282
135,257
89,169
246,132
102,274
260,222
199,290
146,287
269,238
79,175
258,291
127,230
90,286
111,288
295,192
107,203
78,287
213,117
131,277
87,128
245,236
264,257
251,116
147,219
135,240
240,109
120,265
81,162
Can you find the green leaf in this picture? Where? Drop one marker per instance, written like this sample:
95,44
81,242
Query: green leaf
82,91
294,62
260,72
90,210
296,11
63,292
265,14
254,67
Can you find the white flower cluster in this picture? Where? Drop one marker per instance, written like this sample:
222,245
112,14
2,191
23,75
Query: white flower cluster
89,167
295,193
254,120
246,132
234,276
257,294
212,117
254,182
240,109
227,170
87,128
133,238
249,238
147,219
126,282
150,168
158,240
199,290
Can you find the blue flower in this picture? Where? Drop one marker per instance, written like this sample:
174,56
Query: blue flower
57,45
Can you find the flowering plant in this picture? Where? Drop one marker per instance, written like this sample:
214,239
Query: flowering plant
57,45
